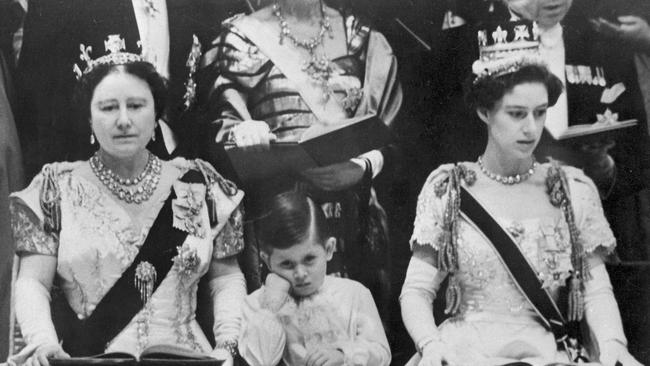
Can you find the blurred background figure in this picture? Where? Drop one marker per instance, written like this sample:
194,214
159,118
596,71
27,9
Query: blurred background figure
53,32
252,98
11,168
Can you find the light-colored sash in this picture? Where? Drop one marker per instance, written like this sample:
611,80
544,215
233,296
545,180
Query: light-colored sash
289,60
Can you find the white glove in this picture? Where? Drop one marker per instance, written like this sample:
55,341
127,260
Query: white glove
418,292
33,312
228,293
604,319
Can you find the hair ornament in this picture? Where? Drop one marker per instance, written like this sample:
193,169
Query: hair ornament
505,48
116,55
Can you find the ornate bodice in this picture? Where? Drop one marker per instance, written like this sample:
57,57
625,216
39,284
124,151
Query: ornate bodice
486,285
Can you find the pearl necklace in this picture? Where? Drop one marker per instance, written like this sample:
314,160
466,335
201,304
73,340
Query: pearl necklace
318,67
125,189
510,179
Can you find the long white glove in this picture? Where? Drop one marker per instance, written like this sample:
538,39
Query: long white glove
33,312
604,319
418,292
228,293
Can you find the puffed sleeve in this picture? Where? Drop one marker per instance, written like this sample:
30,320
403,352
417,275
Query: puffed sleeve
594,229
428,225
35,214
232,67
263,339
230,240
225,209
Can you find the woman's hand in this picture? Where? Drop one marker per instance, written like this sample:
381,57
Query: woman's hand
613,351
335,177
44,352
223,355
435,354
252,135
325,357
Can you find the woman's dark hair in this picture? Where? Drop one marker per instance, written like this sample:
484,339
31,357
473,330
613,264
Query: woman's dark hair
85,88
287,220
486,92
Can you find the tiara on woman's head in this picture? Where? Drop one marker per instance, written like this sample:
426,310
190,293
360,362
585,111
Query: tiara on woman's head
505,48
115,46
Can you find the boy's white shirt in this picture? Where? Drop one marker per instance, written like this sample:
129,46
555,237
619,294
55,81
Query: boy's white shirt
353,324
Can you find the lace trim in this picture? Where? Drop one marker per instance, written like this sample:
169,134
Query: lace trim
230,240
28,232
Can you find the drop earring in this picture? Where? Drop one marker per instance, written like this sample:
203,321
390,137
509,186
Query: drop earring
153,136
92,138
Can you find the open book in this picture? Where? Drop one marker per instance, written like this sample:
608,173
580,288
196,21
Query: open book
320,145
167,354
607,127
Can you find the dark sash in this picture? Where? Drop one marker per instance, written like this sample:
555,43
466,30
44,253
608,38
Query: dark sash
517,265
87,337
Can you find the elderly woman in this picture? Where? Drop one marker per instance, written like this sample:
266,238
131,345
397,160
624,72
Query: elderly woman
511,235
115,246
296,64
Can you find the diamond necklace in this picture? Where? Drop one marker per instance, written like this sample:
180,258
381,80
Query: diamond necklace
318,67
508,179
135,190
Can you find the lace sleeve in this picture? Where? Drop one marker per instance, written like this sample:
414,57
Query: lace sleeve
590,218
29,234
427,228
230,240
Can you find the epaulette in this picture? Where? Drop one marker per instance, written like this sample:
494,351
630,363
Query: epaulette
211,177
50,196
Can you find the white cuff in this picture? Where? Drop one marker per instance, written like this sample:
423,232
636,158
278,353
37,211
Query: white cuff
375,158
33,312
228,293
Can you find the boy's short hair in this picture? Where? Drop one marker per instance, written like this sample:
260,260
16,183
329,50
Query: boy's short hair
288,219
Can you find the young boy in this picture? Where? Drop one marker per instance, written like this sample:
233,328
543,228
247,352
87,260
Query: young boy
301,315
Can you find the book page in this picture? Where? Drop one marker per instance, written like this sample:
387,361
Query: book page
171,351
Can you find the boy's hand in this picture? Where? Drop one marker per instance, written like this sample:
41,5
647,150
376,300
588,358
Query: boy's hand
325,357
276,292
276,283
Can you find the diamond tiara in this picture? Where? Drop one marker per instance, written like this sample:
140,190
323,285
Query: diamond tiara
115,46
505,48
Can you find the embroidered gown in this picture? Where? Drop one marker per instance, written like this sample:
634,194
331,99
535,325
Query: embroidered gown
244,83
98,241
496,324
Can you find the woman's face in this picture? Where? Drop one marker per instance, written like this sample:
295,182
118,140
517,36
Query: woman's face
122,114
516,122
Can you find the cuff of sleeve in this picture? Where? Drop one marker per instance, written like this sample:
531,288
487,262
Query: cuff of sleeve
273,300
353,354
374,158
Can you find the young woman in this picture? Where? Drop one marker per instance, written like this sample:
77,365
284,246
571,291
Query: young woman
550,215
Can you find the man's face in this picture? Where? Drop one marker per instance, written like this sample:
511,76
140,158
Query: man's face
545,12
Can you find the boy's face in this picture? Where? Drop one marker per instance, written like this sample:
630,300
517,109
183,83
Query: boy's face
304,265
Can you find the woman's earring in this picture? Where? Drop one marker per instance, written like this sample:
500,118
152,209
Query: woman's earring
92,138
155,126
